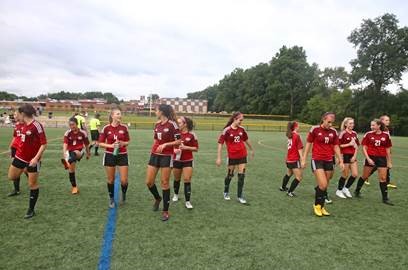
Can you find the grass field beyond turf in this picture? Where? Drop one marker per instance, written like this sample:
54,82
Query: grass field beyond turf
274,232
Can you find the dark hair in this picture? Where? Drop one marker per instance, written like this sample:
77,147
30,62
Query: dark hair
168,111
232,118
73,119
325,115
290,128
189,123
27,109
97,115
380,123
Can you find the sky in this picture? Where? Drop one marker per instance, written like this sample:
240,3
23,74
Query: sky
171,48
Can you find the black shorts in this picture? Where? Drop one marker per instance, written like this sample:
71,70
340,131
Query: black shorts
13,152
380,162
322,164
22,165
233,162
94,135
161,161
109,160
293,165
182,164
347,158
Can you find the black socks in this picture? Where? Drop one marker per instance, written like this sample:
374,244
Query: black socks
342,182
319,196
360,184
124,188
16,184
176,186
187,191
33,198
285,181
111,190
166,199
227,181
294,184
155,192
241,180
72,179
384,191
350,181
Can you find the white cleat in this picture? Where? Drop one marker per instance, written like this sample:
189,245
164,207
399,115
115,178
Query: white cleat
242,200
328,201
189,205
227,197
175,198
347,192
340,194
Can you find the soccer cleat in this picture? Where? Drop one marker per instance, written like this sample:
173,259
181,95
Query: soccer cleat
283,188
189,205
226,196
340,194
367,182
156,204
391,185
175,198
165,216
74,190
327,200
387,202
30,214
13,193
65,163
357,194
291,194
242,200
111,203
317,209
347,192
324,212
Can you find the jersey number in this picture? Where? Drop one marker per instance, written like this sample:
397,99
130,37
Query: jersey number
326,140
159,135
237,139
290,143
377,142
23,137
74,142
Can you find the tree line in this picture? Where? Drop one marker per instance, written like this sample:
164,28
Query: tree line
289,85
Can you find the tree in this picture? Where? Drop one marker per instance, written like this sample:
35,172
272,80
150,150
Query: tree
7,96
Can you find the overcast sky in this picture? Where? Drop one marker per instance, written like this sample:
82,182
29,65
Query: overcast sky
167,47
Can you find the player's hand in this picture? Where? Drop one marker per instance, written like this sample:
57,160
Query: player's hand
252,154
182,146
303,164
370,161
88,155
218,162
341,165
33,162
353,159
160,148
389,164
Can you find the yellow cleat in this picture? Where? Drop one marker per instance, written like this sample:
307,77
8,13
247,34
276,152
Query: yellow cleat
317,209
74,190
324,212
391,185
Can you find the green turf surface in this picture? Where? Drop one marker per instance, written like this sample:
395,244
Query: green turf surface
274,232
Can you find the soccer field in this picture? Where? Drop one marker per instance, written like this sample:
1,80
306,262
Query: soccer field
273,232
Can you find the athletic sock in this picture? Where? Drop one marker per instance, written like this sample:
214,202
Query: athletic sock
241,181
155,192
293,185
124,187
96,150
388,176
72,179
360,184
342,181
285,181
166,199
176,185
33,197
111,191
187,191
384,190
227,182
350,181
16,184
319,196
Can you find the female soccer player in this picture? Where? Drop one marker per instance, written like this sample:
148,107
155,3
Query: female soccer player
325,143
377,151
166,137
14,144
235,137
348,146
293,159
32,145
115,139
183,159
75,143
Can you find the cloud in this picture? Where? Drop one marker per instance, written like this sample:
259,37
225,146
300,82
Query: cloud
166,47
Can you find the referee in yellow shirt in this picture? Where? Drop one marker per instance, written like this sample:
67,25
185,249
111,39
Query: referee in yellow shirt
94,125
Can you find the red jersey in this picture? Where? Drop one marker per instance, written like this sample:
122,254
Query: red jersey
234,140
111,134
76,140
164,133
18,128
32,137
188,139
323,141
294,145
344,138
377,144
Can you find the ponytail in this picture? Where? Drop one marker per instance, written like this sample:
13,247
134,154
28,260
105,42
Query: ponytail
290,128
168,112
232,118
189,123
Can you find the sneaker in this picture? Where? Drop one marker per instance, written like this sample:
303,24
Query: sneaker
111,203
156,204
165,216
347,192
65,163
175,198
327,200
74,190
291,194
391,185
227,197
324,212
387,202
189,205
13,193
30,214
283,188
367,182
242,201
317,209
340,194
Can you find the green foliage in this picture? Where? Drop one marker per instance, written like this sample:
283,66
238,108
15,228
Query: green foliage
7,96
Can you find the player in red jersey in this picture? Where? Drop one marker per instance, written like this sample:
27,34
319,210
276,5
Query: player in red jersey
235,138
348,146
166,137
293,159
183,159
325,144
32,145
75,144
115,139
377,150
14,144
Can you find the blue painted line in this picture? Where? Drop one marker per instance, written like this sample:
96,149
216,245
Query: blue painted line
109,235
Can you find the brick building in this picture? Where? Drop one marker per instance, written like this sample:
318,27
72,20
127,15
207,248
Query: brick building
184,105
